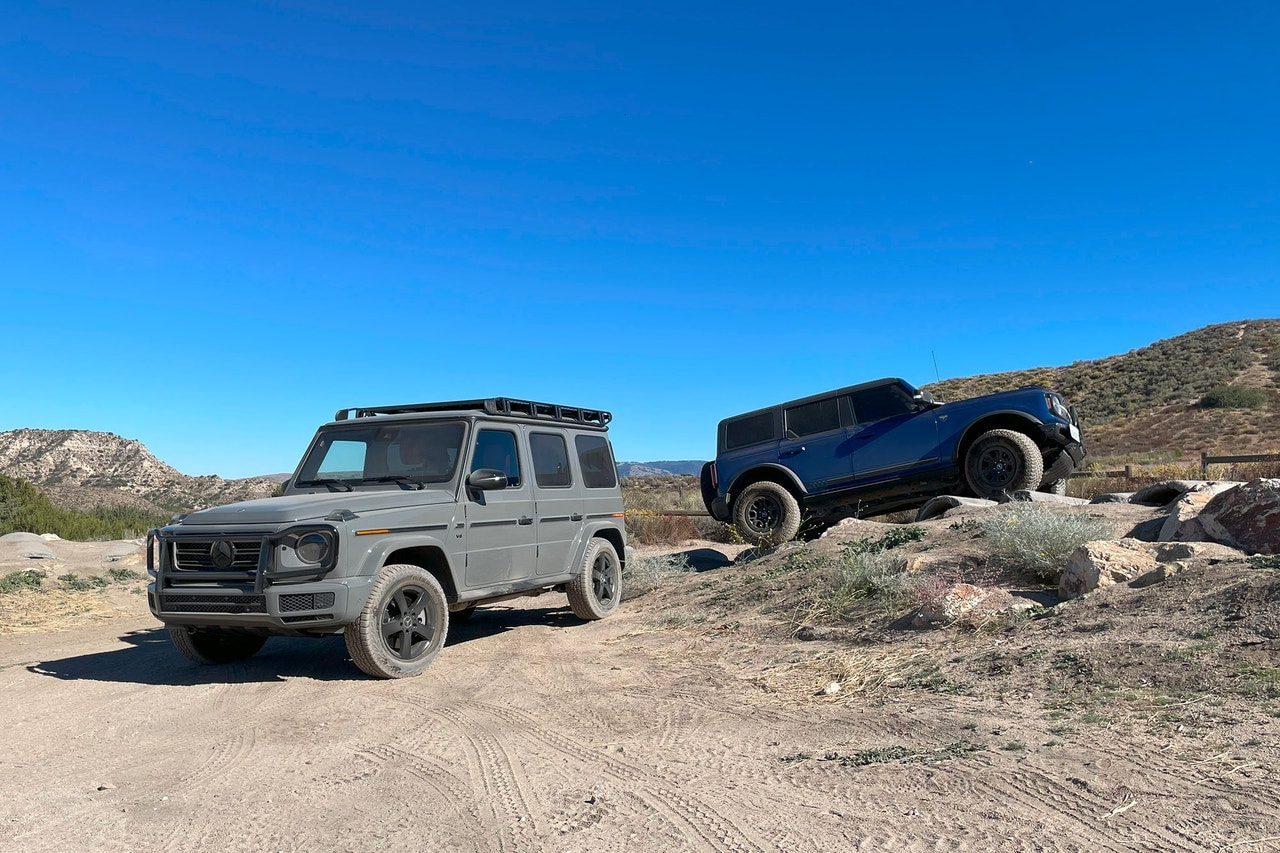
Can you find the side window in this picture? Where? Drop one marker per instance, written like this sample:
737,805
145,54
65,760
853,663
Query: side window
752,429
886,401
598,471
496,448
811,418
550,460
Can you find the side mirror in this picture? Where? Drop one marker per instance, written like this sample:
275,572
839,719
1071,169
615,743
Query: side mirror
925,399
486,479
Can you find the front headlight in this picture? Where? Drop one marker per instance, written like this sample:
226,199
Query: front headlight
313,547
1058,406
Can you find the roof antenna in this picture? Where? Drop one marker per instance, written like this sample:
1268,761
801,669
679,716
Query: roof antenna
935,365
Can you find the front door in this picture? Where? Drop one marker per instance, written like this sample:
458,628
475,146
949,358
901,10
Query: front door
893,434
501,545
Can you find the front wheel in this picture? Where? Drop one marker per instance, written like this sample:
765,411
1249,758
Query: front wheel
215,645
595,592
766,514
402,626
1003,461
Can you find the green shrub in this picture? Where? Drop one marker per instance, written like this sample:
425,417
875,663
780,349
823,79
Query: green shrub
1234,397
1032,537
24,509
74,582
27,579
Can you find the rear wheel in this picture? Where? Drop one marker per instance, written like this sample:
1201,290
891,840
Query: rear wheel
595,592
403,624
215,645
766,514
1003,461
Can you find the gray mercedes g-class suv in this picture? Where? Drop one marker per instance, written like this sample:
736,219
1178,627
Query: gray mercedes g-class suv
399,521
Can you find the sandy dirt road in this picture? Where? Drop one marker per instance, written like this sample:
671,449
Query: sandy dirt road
534,731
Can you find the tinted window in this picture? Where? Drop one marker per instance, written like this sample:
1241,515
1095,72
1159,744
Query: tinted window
886,401
550,460
497,449
749,430
596,461
811,418
427,452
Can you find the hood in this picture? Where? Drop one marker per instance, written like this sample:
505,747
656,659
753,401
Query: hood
313,507
1032,393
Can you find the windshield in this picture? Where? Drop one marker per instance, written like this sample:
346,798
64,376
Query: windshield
415,452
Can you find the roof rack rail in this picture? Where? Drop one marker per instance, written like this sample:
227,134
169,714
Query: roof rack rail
491,405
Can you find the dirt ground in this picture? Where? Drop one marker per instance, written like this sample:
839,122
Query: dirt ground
694,719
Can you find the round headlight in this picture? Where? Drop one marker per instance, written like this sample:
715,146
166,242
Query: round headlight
312,547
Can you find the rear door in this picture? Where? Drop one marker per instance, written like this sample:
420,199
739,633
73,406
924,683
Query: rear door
557,499
892,435
816,443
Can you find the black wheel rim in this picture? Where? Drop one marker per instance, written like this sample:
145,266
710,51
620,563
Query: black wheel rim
604,578
763,514
998,466
407,625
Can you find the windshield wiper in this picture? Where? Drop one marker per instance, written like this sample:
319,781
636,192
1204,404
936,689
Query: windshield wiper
326,482
396,478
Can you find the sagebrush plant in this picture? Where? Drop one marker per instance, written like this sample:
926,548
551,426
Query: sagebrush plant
838,584
645,573
26,579
1034,538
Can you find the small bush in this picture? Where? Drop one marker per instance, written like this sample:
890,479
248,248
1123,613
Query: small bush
74,582
838,585
119,575
28,579
647,573
1234,397
1033,538
890,540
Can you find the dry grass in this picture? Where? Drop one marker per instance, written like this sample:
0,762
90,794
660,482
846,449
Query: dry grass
31,611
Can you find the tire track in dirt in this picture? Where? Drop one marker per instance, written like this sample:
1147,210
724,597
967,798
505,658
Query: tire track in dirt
716,831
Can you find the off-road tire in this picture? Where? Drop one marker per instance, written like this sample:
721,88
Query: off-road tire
402,626
766,514
215,645
1001,462
597,589
1057,487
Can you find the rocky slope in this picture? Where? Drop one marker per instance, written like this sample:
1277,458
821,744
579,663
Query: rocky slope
79,469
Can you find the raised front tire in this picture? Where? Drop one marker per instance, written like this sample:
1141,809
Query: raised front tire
766,514
595,592
214,645
1003,461
403,624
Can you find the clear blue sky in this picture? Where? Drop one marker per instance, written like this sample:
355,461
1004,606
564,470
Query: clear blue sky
220,222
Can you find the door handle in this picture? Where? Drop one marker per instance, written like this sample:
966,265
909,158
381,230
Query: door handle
524,519
577,516
792,452
863,436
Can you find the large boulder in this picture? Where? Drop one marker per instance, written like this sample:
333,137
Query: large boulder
940,506
963,601
1246,517
1183,522
1161,494
1104,563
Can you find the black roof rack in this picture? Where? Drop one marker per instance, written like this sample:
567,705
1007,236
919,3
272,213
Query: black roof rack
491,405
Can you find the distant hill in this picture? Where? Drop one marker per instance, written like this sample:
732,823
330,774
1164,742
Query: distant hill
1148,399
659,469
80,469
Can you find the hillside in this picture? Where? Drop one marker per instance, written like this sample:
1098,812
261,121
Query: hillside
81,469
1147,400
664,468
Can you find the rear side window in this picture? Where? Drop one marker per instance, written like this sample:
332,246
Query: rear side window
550,460
751,429
811,418
596,461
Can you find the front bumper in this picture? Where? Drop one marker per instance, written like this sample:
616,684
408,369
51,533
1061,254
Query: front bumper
288,607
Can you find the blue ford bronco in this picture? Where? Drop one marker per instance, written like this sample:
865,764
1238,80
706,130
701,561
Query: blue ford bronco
880,446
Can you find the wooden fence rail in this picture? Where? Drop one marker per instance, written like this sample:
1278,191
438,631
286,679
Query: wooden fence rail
1206,460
